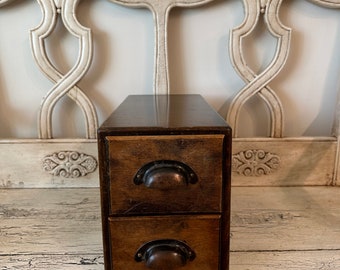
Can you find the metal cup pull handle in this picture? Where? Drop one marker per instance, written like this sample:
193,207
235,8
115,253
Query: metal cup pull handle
165,254
165,175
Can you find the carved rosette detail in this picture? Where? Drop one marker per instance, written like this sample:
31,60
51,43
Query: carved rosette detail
69,164
255,162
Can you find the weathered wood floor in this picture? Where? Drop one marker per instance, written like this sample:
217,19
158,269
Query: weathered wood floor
272,228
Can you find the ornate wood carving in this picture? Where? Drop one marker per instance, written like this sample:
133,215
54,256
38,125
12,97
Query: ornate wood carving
69,164
327,3
258,83
255,162
64,83
160,10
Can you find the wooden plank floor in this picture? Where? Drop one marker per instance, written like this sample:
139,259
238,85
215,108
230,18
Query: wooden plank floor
272,228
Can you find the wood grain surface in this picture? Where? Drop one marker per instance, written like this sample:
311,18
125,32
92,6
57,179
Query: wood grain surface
272,228
202,153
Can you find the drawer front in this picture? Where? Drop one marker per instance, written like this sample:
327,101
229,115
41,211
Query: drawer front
131,237
165,189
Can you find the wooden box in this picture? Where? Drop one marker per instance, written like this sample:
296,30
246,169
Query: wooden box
165,165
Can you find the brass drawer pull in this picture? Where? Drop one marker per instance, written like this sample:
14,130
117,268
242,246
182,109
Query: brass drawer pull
165,175
165,254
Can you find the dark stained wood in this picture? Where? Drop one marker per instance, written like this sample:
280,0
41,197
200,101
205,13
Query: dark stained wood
164,114
201,233
149,130
203,153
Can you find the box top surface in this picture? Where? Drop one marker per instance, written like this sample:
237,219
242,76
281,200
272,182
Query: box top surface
164,112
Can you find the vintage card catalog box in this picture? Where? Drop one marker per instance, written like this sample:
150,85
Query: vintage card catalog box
165,184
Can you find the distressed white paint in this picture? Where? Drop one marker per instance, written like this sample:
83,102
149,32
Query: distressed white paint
22,163
160,11
302,161
302,260
327,3
272,227
66,84
259,83
60,228
199,63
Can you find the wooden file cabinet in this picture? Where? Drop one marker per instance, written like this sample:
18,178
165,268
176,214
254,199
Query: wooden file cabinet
165,184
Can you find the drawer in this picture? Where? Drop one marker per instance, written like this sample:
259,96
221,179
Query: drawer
159,162
188,241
